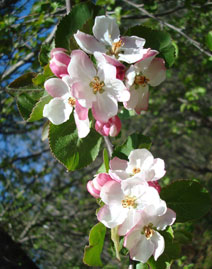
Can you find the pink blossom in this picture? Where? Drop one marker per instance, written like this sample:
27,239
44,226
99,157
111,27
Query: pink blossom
144,240
124,201
148,71
107,40
59,62
110,128
98,89
141,164
94,186
59,109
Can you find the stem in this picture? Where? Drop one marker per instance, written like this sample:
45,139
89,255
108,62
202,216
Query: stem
68,6
109,146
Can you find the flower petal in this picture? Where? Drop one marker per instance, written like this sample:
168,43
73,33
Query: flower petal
57,111
132,219
156,72
111,216
166,219
132,42
81,67
143,250
106,29
83,126
111,193
159,244
81,111
56,87
88,43
143,99
105,107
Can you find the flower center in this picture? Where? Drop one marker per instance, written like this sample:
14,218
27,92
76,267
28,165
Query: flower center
136,170
72,101
148,231
141,80
116,46
129,201
97,85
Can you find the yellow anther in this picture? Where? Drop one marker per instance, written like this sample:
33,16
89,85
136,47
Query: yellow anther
148,231
136,170
72,101
116,46
141,80
129,201
97,85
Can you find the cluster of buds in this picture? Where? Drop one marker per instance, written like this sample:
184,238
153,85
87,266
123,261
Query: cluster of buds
122,72
130,193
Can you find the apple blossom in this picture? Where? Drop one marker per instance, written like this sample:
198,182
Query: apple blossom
107,40
141,165
149,71
111,128
144,240
103,58
123,202
59,109
59,62
94,186
97,89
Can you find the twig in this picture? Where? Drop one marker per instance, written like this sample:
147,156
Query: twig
109,145
68,6
176,29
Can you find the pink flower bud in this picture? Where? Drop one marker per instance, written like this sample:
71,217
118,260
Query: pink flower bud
155,185
59,62
120,72
94,186
112,127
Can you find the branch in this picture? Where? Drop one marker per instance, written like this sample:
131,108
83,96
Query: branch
68,6
176,29
109,146
168,12
14,67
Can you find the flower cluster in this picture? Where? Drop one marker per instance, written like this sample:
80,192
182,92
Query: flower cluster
121,71
130,193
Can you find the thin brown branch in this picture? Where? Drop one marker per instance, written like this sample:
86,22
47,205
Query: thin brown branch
176,29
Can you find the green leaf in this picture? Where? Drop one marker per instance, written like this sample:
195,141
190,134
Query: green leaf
27,101
209,40
134,141
44,55
96,241
142,266
72,22
22,81
37,111
42,77
73,152
156,39
187,198
106,160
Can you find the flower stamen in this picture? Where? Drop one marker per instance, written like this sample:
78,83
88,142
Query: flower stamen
141,80
72,101
97,85
136,170
129,201
148,231
116,47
